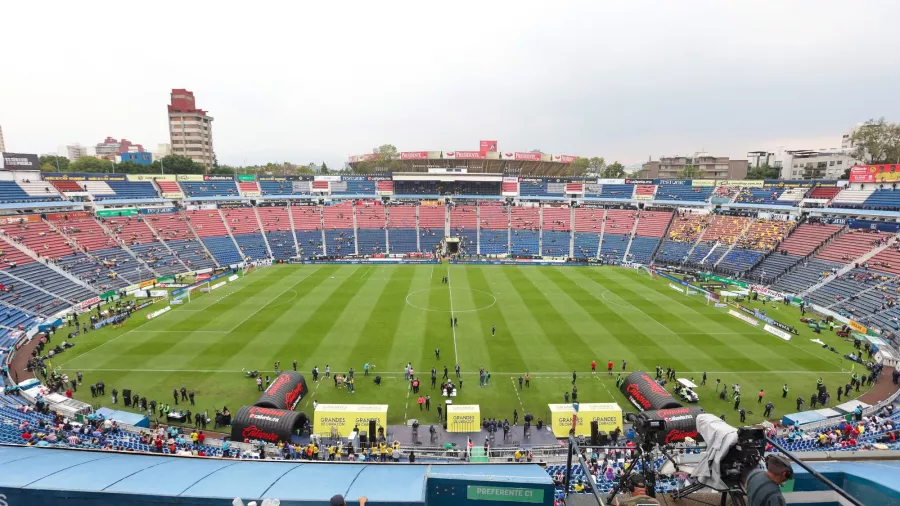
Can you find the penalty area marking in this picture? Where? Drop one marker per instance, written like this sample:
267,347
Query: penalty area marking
453,310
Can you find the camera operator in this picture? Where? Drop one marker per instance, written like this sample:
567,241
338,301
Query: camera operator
763,486
637,492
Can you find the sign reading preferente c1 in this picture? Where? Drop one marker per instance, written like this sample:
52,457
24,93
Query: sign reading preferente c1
19,161
508,494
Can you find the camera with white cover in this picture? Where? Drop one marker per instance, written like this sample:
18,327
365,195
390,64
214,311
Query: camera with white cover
731,453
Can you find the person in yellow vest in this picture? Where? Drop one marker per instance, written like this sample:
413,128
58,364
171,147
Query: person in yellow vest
337,452
331,452
390,453
376,453
315,452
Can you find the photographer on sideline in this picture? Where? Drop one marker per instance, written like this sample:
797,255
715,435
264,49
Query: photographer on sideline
638,493
763,486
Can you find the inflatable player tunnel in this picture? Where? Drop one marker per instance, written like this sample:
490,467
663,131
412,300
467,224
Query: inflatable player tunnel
285,392
681,423
266,424
646,394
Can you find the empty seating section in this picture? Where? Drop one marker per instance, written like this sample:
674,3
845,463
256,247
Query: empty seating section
192,253
431,227
653,223
12,318
805,274
11,192
739,260
245,228
86,232
644,191
339,236
209,188
10,256
533,187
887,260
557,219
619,221
356,187
38,237
525,230
308,228
843,287
773,266
208,225
276,223
67,186
588,224
617,191
613,246
401,224
852,198
850,245
806,238
767,195
29,295
555,243
370,237
248,188
98,189
791,196
684,193
131,190
823,193
169,187
642,249
42,190
464,224
494,238
51,281
888,200
103,269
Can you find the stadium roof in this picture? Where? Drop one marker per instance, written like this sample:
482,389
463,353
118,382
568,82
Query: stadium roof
97,472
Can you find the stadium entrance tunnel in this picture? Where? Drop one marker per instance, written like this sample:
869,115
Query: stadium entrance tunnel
285,392
647,394
266,424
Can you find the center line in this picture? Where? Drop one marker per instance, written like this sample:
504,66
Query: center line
453,320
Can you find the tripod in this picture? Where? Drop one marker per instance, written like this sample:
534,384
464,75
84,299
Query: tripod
644,448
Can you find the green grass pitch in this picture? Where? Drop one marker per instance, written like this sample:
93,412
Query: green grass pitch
550,321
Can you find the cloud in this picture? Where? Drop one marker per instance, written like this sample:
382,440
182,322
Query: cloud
301,81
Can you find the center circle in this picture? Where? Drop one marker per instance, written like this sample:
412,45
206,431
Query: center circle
478,300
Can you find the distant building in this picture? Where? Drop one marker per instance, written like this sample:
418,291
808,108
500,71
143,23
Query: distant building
162,150
2,143
140,157
76,151
111,147
190,129
710,167
815,164
757,159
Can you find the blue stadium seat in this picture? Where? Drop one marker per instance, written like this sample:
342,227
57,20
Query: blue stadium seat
223,249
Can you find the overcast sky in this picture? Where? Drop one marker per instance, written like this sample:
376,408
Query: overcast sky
312,81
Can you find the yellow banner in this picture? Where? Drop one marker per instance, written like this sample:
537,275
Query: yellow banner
746,183
859,327
345,417
172,195
150,177
189,177
463,418
145,284
607,414
251,194
703,182
643,197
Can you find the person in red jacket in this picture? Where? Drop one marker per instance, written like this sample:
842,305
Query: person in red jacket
609,367
593,366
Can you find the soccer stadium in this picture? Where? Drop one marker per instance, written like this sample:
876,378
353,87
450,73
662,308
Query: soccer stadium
480,307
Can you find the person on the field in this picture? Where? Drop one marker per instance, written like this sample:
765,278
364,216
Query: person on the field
703,382
259,383
743,413
183,393
737,401
840,392
445,373
784,391
327,370
437,353
295,366
574,377
624,365
609,366
769,407
315,373
175,395
593,366
457,370
493,330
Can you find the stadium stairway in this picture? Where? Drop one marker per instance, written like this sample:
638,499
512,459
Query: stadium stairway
478,454
231,236
56,270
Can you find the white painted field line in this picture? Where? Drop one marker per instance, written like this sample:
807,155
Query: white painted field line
536,374
251,315
597,377
513,379
313,394
180,331
450,288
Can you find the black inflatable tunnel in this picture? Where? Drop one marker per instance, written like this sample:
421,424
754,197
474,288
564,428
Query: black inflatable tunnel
285,392
681,423
266,424
646,394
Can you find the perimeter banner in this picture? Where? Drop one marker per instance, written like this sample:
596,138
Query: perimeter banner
345,417
607,414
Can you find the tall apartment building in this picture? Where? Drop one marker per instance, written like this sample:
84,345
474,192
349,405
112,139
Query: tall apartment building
75,151
710,167
190,129
2,144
